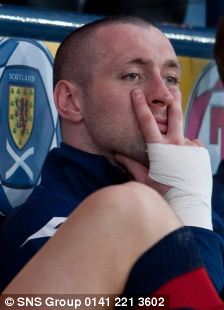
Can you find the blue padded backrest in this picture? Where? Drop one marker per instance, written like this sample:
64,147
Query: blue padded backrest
205,113
29,125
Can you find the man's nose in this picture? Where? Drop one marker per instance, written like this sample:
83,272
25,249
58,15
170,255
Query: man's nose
158,93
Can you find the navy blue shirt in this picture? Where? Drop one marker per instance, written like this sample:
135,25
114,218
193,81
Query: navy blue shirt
68,176
218,190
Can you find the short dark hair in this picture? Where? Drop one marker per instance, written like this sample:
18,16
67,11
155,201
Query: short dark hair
74,57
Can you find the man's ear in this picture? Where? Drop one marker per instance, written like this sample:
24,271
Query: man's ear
67,96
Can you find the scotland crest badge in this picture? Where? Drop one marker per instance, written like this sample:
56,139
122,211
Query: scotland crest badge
21,113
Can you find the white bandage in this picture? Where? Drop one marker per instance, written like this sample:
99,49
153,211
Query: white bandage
187,170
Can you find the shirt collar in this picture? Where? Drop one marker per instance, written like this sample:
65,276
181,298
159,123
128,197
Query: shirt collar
80,172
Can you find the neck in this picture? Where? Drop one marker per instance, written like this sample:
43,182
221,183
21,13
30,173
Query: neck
78,138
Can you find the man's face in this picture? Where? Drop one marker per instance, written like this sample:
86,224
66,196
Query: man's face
129,57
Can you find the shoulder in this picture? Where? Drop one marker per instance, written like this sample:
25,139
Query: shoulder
42,210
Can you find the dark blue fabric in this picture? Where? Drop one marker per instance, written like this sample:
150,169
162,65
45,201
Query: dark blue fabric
175,254
218,204
70,175
218,191
211,248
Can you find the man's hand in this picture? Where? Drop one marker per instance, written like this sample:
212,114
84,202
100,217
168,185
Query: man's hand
152,134
140,173
149,127
181,170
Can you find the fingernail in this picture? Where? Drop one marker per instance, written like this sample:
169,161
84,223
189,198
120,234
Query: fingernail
137,93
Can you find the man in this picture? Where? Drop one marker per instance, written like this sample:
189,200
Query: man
119,101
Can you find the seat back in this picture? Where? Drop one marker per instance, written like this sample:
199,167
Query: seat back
29,124
205,113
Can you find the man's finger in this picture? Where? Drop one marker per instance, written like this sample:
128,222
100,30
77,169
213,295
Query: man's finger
162,189
175,131
198,142
138,171
145,118
194,142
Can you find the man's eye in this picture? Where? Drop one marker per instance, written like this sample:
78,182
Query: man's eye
132,76
172,80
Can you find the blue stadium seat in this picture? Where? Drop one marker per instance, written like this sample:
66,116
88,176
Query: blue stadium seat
205,113
29,124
